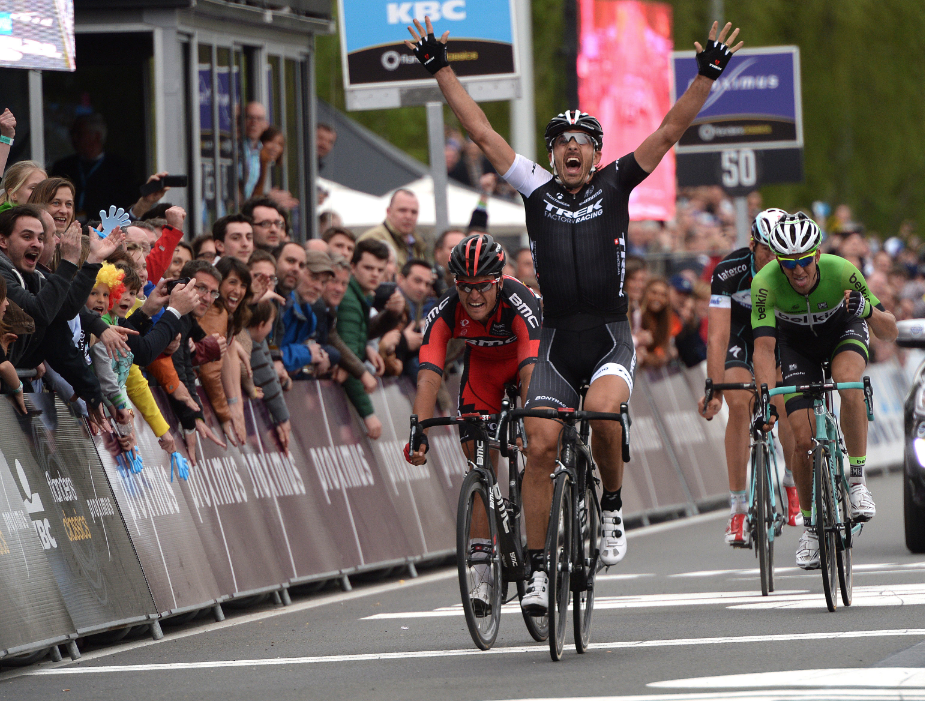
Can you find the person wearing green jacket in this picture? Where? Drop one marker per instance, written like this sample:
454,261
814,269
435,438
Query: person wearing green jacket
368,265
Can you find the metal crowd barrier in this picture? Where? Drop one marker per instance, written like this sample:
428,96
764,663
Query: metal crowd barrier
87,545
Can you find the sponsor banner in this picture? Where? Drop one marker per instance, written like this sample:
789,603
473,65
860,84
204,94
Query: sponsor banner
697,455
69,501
756,103
373,33
31,606
650,481
624,79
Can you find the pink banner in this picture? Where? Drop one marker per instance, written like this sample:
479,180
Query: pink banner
624,78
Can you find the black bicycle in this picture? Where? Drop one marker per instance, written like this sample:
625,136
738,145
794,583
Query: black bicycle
498,553
765,519
573,537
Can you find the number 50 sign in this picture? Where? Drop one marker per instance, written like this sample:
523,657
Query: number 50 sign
750,130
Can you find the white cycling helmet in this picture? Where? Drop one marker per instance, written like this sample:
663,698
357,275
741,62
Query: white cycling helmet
764,224
795,234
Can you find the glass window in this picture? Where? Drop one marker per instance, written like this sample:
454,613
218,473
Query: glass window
206,138
227,179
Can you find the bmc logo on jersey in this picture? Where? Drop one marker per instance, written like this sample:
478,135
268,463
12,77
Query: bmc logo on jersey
524,310
584,214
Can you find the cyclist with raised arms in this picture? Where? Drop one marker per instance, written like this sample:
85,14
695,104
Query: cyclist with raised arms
730,350
817,307
499,318
577,218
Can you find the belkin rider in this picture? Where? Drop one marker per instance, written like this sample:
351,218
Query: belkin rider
577,218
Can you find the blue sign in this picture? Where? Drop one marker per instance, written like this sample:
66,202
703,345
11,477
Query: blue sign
756,103
373,32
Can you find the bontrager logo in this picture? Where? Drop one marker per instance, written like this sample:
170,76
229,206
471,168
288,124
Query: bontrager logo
550,399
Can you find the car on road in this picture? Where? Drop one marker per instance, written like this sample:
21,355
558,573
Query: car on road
912,335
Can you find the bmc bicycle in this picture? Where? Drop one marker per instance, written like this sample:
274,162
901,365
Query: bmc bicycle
765,519
573,537
831,509
498,558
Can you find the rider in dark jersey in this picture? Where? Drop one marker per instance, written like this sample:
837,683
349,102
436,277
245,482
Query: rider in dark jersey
730,348
817,308
576,220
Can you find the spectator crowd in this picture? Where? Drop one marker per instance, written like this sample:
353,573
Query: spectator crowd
102,310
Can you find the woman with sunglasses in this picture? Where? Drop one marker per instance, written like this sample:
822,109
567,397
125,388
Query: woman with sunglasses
817,307
499,319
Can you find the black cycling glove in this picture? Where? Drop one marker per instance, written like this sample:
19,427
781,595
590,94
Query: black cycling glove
758,421
711,62
858,305
431,52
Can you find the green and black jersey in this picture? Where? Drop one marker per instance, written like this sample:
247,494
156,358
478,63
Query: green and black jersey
779,309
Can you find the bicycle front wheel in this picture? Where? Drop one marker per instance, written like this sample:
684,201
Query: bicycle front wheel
825,525
764,543
844,542
537,626
588,542
480,581
559,559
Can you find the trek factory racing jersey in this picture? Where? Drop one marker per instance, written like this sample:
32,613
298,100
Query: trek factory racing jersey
578,241
512,331
821,315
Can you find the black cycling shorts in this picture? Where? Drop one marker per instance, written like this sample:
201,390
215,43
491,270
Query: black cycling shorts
569,358
741,349
801,363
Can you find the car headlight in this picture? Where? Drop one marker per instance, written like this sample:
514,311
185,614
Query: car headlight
918,445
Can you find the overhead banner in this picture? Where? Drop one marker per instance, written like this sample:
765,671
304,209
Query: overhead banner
750,130
372,33
624,79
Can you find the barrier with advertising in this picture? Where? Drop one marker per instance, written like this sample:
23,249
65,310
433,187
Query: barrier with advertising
87,545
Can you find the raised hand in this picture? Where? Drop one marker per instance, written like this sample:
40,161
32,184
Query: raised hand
183,298
712,61
70,243
115,218
430,51
102,248
7,124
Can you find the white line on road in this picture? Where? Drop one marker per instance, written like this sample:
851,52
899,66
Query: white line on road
520,649
912,678
842,694
877,595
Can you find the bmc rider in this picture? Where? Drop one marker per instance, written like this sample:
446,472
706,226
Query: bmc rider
577,218
500,319
817,307
730,350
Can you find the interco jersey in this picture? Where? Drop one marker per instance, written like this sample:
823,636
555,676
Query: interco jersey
578,241
732,284
778,308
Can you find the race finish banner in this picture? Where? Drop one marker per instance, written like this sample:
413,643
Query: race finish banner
624,79
750,131
381,72
37,34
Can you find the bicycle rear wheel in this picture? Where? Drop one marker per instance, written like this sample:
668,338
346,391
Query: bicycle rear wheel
483,621
825,525
559,558
588,543
764,544
845,541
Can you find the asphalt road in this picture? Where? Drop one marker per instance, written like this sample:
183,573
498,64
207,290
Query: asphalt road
681,618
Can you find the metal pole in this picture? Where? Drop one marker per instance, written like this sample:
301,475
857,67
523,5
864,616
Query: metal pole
717,10
570,48
36,117
743,225
438,166
523,112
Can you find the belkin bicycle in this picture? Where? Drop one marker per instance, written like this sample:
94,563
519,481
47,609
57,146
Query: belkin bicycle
499,558
573,537
765,519
831,510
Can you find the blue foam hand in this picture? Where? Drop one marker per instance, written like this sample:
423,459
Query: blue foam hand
134,457
115,218
178,461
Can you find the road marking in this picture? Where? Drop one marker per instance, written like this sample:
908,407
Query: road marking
912,678
760,695
519,649
864,596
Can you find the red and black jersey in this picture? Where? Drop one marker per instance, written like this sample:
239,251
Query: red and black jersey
513,330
